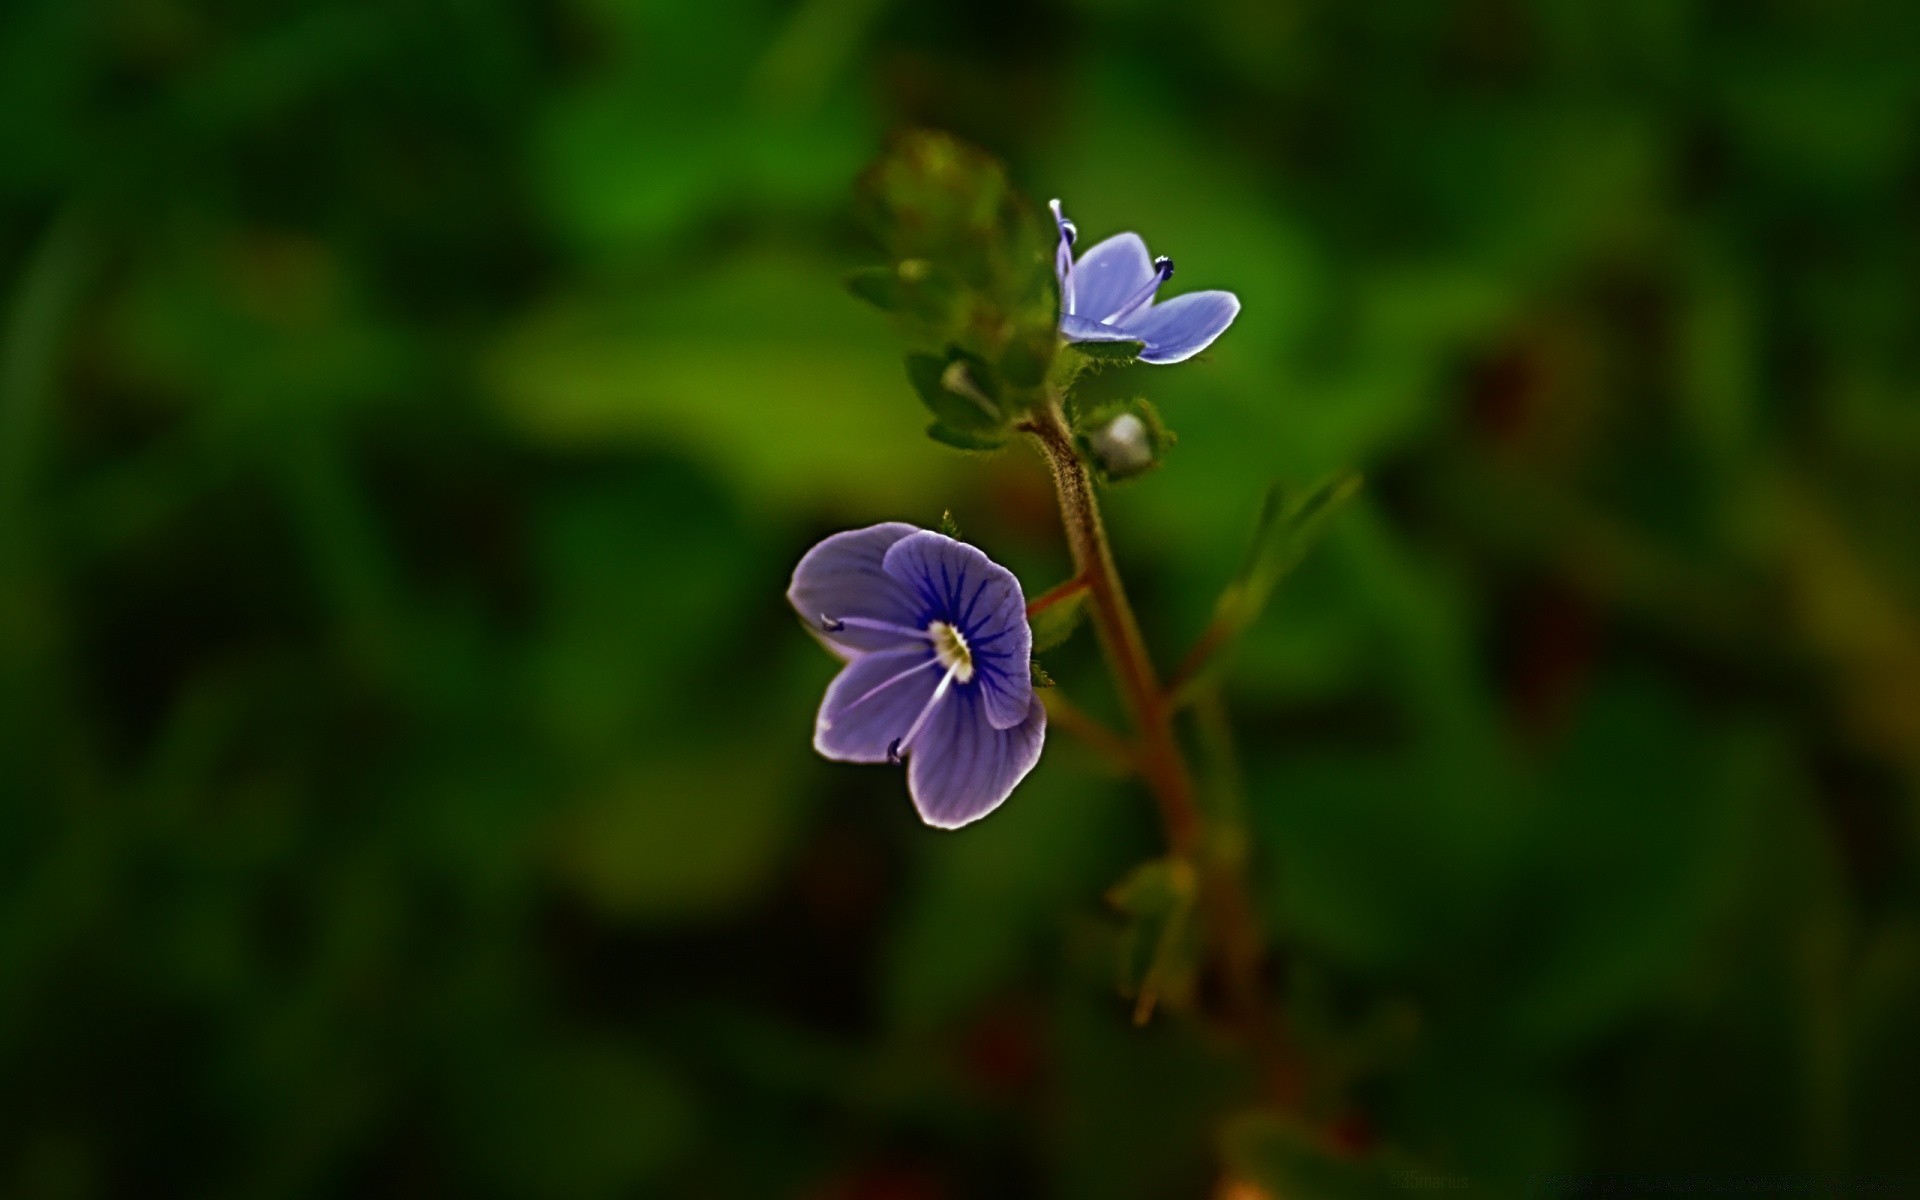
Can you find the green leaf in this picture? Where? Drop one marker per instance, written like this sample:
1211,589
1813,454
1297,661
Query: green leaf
958,389
1288,527
969,255
1108,353
949,526
1160,948
878,286
1056,622
1039,673
961,439
1026,359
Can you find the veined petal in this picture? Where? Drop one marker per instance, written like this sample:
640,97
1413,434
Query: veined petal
1183,326
1107,274
958,584
961,767
872,702
843,576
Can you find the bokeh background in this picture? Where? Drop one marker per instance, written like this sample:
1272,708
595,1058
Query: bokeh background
410,412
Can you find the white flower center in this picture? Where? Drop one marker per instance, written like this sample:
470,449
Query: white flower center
951,649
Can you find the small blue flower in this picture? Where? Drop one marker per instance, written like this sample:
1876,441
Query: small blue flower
937,645
1107,296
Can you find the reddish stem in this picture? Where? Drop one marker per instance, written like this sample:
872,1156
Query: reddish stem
1066,591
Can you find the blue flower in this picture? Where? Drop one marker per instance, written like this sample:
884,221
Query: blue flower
1107,296
937,645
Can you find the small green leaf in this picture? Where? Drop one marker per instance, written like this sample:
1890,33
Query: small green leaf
1108,353
1056,622
961,439
1160,948
949,526
1288,527
958,389
878,286
1040,677
1027,358
971,256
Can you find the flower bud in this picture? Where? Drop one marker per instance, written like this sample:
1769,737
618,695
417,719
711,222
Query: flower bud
1123,447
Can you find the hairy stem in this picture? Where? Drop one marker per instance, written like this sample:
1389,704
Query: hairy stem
1159,758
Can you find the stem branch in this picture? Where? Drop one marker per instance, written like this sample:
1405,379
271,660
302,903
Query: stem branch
1218,856
1160,760
1052,596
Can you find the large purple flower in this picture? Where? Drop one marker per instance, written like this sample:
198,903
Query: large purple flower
937,645
1107,296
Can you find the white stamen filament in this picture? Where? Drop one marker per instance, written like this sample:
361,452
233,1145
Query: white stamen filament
1063,257
877,688
901,744
1162,271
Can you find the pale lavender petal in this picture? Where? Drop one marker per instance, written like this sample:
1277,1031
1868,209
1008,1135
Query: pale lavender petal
958,584
843,577
1086,329
873,702
1183,326
960,768
1109,274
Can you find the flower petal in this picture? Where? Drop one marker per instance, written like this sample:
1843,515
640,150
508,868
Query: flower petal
960,767
958,584
1086,329
1183,326
843,577
872,702
1109,274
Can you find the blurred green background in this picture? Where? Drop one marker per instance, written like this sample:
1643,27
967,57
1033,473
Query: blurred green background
410,413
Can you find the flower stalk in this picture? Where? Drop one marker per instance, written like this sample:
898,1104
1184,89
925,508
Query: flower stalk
1158,756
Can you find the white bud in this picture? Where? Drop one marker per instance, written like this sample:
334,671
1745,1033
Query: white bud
1123,445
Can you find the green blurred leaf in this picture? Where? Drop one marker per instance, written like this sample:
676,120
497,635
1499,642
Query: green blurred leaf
961,439
944,210
809,410
1287,529
1056,622
960,391
1160,947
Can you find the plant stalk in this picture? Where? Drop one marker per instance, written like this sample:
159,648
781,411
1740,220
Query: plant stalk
1161,762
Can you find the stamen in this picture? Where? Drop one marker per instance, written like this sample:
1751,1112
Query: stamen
1063,256
877,688
837,624
1067,228
900,745
1162,271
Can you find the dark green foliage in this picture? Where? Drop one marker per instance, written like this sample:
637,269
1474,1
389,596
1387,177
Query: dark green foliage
969,265
410,414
